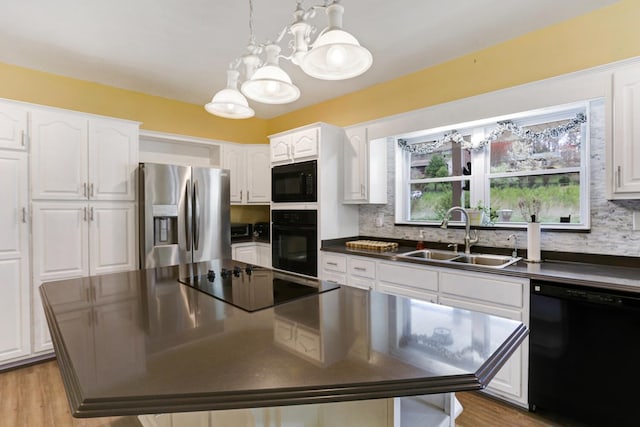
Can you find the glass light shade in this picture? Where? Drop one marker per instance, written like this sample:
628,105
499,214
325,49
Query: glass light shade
229,102
270,84
336,55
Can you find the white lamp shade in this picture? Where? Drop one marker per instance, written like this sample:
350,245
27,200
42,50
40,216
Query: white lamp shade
229,102
336,55
270,85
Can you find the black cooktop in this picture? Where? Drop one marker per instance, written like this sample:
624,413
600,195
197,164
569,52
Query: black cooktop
255,288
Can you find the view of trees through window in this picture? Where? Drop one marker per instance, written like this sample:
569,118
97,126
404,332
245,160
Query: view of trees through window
543,160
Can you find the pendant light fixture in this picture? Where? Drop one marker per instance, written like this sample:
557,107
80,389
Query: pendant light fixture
270,84
229,102
335,55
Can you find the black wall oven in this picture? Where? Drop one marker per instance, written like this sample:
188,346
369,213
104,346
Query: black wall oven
296,182
294,241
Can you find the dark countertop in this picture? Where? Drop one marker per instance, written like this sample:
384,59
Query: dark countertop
603,276
140,342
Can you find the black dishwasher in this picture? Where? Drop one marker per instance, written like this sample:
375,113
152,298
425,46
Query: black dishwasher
584,354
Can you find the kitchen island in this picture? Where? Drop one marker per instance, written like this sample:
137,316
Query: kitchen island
142,343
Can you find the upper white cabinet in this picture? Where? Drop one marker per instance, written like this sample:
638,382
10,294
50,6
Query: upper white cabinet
365,168
14,257
75,157
624,163
294,146
13,127
250,169
113,159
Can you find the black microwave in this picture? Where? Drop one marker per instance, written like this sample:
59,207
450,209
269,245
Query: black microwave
296,182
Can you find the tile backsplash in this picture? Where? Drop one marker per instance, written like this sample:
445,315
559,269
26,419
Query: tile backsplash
611,221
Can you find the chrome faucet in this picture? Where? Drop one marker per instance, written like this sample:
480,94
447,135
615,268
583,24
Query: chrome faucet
468,239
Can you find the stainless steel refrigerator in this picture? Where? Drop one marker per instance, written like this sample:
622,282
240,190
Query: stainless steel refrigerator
184,214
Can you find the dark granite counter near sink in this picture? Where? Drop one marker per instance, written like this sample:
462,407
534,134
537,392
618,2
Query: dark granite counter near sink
566,269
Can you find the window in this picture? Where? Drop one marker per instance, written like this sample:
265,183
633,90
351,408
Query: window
512,167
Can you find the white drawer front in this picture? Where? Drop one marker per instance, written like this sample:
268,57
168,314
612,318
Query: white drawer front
408,275
408,292
481,287
332,276
334,262
362,268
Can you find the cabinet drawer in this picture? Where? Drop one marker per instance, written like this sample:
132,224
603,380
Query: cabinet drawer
362,268
408,275
332,276
408,292
481,287
334,262
360,282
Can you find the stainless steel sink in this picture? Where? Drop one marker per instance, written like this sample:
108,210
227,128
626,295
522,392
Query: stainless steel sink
494,261
431,254
446,257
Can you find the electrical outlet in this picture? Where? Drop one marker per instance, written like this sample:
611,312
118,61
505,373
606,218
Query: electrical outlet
636,221
380,219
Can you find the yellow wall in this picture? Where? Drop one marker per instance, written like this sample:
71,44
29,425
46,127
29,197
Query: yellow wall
155,113
603,36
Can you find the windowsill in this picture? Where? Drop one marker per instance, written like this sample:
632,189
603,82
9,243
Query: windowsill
556,228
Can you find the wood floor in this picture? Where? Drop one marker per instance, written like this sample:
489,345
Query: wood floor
34,397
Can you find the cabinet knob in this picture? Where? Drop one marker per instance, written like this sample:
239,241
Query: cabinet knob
91,191
619,176
24,215
84,189
91,213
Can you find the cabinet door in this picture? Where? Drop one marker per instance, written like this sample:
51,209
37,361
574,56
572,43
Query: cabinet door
234,160
14,257
60,240
258,174
355,165
626,133
13,127
264,255
112,237
281,149
113,158
304,144
58,156
510,381
246,253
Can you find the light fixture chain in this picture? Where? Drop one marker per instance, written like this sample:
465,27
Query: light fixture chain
252,38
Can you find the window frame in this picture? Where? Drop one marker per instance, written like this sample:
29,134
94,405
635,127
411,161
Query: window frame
480,178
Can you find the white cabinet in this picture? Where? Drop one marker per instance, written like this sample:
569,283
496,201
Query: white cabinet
624,152
299,145
410,280
361,272
13,127
365,168
250,170
255,253
500,296
333,267
78,239
79,158
14,257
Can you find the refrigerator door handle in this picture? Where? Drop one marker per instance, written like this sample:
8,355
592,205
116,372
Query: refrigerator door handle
187,214
196,216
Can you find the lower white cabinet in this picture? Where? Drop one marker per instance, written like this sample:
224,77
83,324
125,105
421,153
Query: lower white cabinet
254,253
333,268
500,296
410,280
489,293
78,239
15,337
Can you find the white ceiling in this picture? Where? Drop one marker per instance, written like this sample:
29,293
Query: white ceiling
180,49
